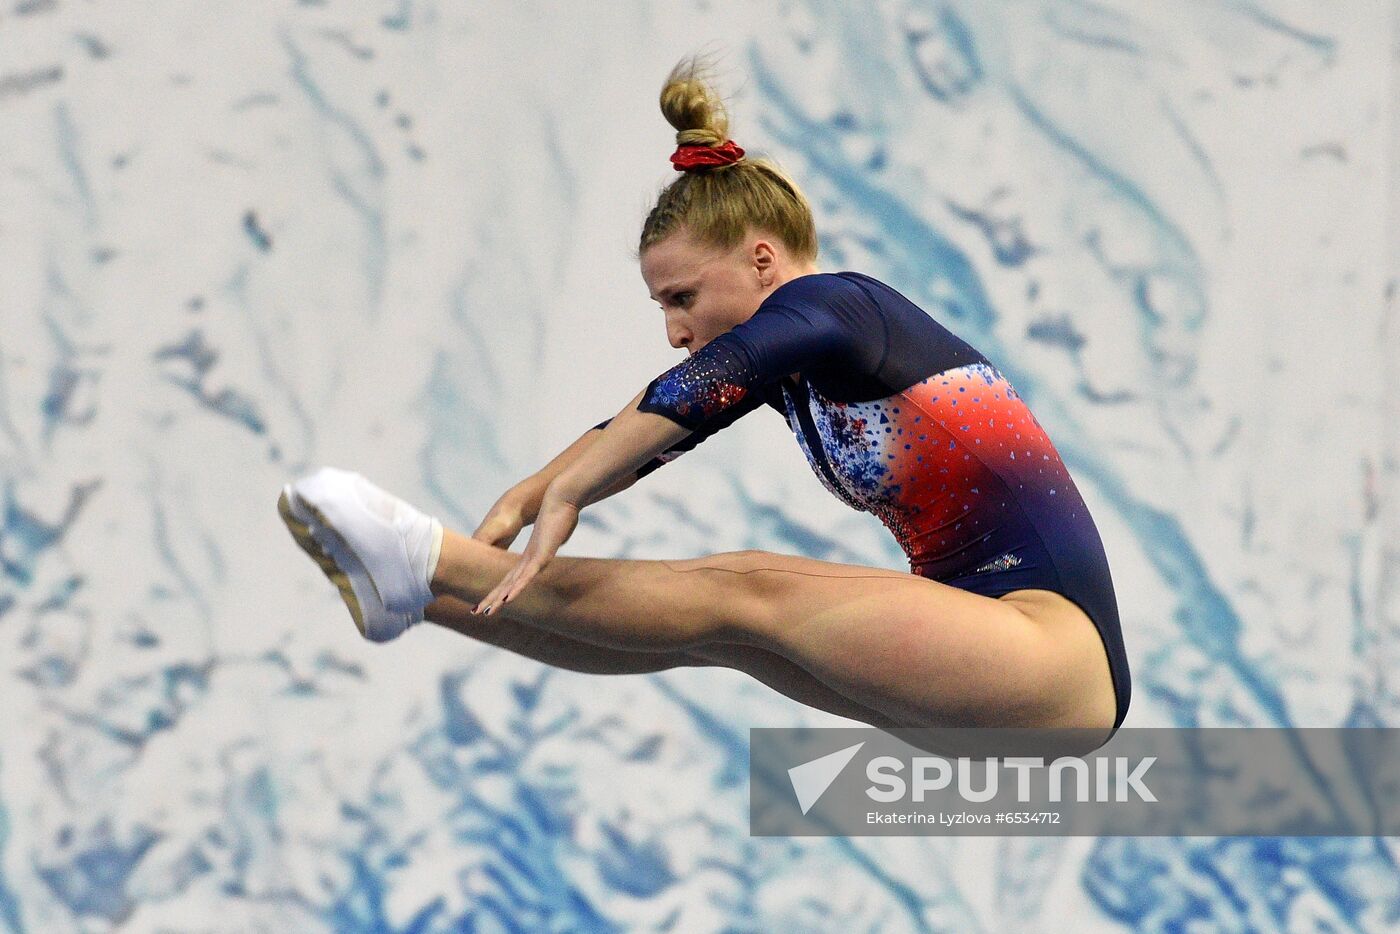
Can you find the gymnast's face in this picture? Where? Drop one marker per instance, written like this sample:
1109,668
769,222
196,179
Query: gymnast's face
705,291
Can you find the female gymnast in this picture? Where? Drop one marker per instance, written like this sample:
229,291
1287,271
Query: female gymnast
1007,617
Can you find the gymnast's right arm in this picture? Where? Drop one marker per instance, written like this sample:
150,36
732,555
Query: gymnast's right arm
520,505
704,393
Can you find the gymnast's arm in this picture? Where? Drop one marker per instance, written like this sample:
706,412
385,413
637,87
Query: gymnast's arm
612,459
699,396
526,495
524,498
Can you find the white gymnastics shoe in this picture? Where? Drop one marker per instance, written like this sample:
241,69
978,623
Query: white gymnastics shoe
379,551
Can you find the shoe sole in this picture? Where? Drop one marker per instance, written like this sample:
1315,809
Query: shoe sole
302,534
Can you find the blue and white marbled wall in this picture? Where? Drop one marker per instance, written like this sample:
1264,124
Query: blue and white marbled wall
239,240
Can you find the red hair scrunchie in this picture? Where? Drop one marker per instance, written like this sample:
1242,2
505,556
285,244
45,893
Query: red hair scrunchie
694,156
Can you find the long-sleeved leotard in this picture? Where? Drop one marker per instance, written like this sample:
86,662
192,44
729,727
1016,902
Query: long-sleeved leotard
901,418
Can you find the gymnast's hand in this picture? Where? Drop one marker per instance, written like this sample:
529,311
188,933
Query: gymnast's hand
503,522
556,522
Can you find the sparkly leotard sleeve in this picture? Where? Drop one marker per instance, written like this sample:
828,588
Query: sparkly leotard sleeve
722,420
738,371
777,340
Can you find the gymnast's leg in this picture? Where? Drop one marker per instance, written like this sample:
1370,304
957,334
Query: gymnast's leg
449,612
919,652
314,532
767,667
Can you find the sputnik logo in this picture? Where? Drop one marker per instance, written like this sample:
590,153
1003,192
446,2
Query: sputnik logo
810,780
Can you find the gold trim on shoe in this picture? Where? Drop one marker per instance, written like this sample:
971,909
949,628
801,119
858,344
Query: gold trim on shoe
302,533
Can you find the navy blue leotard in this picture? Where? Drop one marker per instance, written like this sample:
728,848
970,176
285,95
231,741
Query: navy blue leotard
901,418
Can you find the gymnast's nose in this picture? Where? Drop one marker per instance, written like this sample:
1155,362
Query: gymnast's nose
680,337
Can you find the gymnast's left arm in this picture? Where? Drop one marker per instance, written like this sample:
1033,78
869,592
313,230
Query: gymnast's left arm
632,438
703,393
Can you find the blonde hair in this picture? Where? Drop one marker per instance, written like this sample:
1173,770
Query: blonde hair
719,205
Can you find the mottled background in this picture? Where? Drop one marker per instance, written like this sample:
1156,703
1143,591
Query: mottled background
239,240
